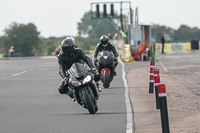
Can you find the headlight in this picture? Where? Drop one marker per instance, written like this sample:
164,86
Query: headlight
75,83
87,79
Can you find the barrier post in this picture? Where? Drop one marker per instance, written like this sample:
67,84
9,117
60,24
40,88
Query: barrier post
163,108
154,52
157,82
151,82
156,72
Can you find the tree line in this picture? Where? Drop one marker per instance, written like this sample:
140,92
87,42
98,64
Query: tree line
27,40
183,34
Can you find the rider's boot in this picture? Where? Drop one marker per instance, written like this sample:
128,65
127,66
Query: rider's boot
99,88
114,69
114,73
70,93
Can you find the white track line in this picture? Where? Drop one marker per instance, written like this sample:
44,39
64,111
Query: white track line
166,71
129,124
19,73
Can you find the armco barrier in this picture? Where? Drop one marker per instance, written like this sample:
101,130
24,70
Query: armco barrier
14,55
126,53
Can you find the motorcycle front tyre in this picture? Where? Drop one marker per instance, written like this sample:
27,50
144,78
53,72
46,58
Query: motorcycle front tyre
88,101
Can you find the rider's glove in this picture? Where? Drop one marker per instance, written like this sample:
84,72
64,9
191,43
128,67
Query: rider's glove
66,80
97,76
94,70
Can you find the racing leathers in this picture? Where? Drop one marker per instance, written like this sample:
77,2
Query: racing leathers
65,62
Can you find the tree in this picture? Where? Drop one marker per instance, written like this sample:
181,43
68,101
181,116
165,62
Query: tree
185,33
50,44
2,38
94,28
157,31
82,43
25,38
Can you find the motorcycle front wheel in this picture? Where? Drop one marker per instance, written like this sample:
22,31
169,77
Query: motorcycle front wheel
89,102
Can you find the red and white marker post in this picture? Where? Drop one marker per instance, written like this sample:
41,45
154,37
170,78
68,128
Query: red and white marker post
156,83
151,82
163,108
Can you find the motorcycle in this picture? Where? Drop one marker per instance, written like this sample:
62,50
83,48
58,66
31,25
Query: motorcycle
105,66
84,87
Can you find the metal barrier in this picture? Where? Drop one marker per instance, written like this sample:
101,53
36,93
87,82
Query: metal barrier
14,55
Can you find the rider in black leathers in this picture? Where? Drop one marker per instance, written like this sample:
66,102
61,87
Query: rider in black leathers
68,56
105,45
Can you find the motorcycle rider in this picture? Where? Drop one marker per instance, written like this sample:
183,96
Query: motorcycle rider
105,45
67,57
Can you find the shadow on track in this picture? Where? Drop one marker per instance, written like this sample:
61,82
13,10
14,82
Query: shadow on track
118,87
98,113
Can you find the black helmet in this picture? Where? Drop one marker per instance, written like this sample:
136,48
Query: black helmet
67,45
104,40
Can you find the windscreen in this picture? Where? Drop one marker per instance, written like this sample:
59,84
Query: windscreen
78,70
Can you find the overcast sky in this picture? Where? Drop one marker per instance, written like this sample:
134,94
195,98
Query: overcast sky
60,17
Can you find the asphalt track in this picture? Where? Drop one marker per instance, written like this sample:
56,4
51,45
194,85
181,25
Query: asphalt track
30,102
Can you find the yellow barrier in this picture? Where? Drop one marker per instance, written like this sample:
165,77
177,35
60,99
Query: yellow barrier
1,55
91,51
186,47
168,47
126,53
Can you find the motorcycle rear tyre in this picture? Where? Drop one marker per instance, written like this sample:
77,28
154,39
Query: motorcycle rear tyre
106,83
